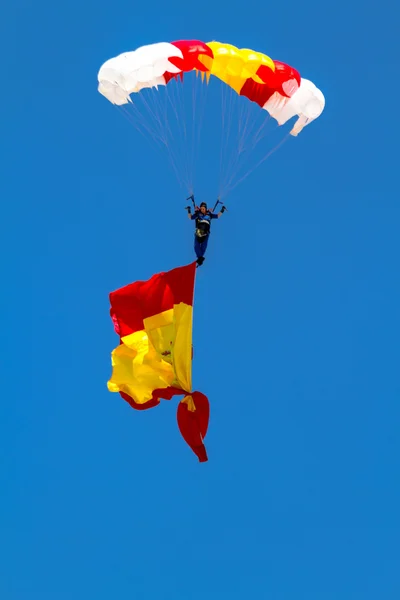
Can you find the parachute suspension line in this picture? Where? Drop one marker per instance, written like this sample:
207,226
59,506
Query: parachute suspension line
187,135
186,141
278,145
189,123
180,115
193,153
172,148
177,142
244,146
153,124
140,126
193,115
165,120
223,104
243,131
137,111
152,111
155,109
227,142
191,160
261,133
225,131
200,95
250,132
235,136
243,123
240,137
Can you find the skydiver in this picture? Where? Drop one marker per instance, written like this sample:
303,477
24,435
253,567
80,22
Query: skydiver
203,218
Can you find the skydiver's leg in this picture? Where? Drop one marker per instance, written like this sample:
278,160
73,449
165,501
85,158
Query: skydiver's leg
204,245
202,251
197,247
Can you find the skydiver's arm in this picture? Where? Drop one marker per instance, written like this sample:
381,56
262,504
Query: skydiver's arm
217,216
189,213
223,209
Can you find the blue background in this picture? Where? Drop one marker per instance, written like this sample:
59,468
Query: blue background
296,326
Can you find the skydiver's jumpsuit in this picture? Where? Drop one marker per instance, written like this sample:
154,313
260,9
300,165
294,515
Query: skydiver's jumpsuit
202,232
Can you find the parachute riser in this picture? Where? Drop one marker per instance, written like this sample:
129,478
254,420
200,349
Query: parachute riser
192,199
214,207
216,204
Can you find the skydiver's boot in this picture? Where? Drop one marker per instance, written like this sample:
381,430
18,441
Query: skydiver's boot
200,261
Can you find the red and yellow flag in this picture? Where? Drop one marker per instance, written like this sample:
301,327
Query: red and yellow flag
154,358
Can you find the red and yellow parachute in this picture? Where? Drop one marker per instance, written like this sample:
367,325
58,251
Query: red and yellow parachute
153,360
273,85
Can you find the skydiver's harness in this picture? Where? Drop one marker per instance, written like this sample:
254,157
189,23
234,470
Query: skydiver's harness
202,228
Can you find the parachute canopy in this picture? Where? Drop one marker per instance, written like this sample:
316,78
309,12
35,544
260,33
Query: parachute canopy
273,85
154,358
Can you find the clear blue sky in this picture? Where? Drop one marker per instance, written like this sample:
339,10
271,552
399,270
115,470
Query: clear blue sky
296,323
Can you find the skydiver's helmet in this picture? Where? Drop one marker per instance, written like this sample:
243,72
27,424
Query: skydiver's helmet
204,204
